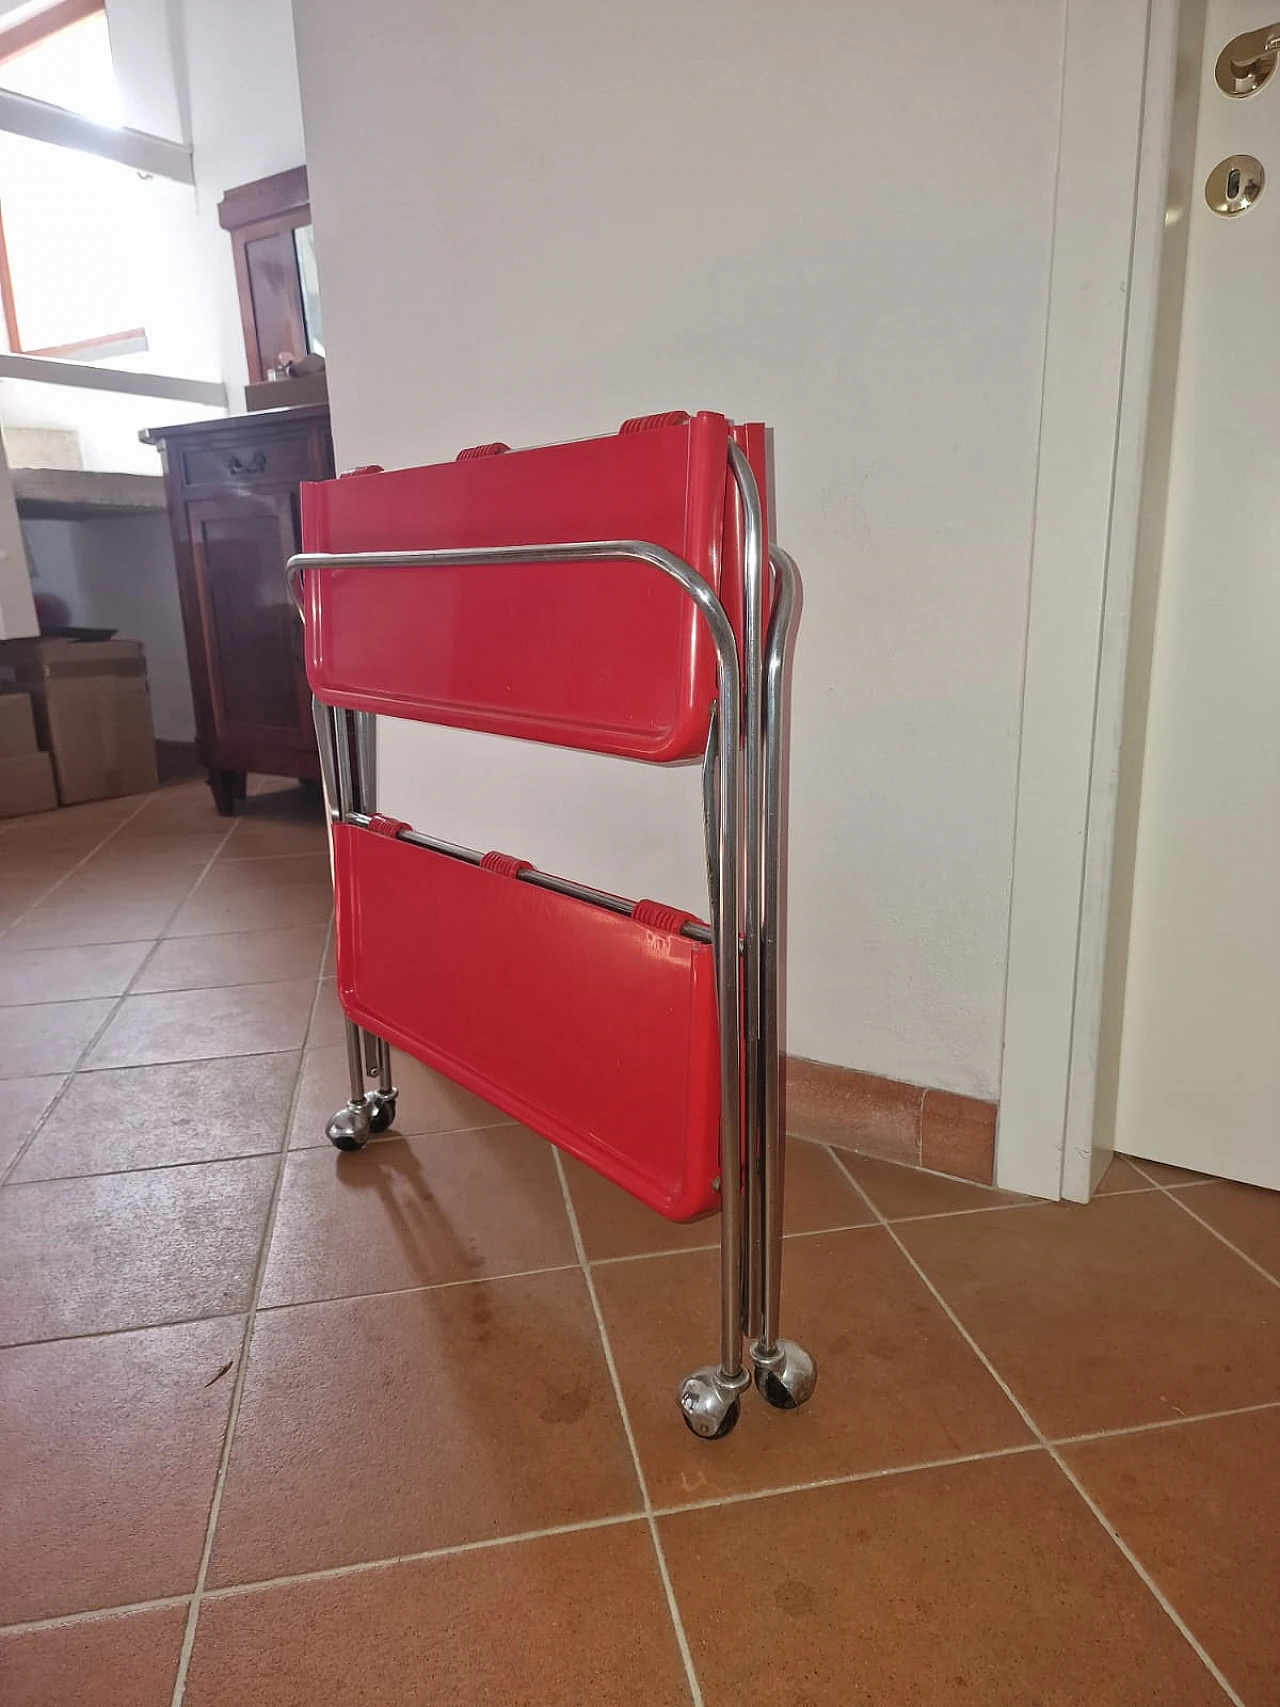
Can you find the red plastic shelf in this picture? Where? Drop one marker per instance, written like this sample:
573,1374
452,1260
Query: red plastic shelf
607,656
597,1030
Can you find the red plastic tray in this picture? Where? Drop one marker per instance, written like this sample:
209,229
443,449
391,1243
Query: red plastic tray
608,656
596,1030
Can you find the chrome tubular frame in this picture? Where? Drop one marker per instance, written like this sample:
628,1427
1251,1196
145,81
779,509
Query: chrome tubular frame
743,833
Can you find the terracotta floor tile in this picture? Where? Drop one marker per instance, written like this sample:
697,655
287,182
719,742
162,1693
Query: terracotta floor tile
899,1191
429,1418
176,849
128,1661
896,1383
427,1101
68,920
71,826
327,1020
614,1224
416,1212
68,974
25,1101
235,957
1120,1176
214,908
83,1256
197,1025
986,1583
1200,1506
48,1036
151,1117
181,807
564,1619
1125,1312
263,836
1245,1214
110,1448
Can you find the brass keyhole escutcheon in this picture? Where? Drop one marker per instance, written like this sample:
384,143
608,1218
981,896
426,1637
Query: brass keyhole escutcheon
1234,185
1248,62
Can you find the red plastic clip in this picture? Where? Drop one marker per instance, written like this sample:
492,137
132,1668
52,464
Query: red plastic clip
384,826
495,449
660,917
365,468
642,423
505,865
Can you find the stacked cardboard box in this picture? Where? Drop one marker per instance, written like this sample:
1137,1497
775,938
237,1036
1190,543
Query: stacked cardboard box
26,775
92,712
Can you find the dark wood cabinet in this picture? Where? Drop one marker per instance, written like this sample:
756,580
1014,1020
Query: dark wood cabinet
232,490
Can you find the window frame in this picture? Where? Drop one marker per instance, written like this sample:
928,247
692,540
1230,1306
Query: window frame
16,39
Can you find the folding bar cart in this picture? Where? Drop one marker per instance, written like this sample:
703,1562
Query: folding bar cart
609,594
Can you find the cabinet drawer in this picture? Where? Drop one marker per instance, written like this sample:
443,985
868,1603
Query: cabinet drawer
238,463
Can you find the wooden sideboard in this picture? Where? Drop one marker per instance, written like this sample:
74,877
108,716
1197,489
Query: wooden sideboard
232,489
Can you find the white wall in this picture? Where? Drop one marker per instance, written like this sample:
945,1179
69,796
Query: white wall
239,86
533,222
118,572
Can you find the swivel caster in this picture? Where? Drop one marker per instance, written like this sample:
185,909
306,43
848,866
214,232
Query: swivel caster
786,1376
709,1403
382,1110
351,1126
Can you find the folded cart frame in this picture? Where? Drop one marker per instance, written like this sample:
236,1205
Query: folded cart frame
682,1103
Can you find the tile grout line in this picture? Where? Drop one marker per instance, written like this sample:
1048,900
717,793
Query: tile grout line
1174,1194
169,990
116,1004
1164,1423
242,1368
456,1549
668,1587
67,1620
71,871
1051,1447
361,1567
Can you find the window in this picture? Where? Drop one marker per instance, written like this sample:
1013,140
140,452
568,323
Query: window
72,247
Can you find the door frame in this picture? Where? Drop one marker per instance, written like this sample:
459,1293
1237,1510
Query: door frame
1120,89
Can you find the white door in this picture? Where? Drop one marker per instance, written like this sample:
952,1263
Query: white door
1199,1081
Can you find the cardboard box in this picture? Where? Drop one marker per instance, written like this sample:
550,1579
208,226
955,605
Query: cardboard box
26,784
92,713
17,726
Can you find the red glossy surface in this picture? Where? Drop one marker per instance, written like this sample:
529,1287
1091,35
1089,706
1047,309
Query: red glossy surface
608,656
597,1032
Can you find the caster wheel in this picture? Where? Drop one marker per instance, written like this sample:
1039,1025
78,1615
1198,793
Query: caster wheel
708,1404
350,1127
787,1377
728,1422
382,1112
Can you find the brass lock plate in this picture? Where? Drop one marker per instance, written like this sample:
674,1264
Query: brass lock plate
1234,185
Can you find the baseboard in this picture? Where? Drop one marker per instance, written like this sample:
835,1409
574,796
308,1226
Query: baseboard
913,1124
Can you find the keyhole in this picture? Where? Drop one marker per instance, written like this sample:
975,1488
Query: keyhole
1233,183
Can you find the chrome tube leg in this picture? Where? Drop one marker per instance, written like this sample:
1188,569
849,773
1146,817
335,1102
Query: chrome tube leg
386,1089
752,833
322,718
347,757
366,750
709,1398
785,1374
351,1127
